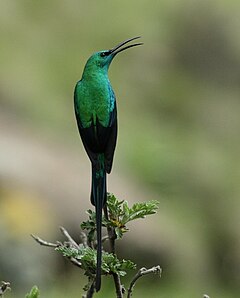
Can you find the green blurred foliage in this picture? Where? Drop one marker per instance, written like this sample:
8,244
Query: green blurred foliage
34,293
178,102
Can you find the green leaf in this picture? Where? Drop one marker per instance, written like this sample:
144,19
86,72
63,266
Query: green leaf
119,232
34,293
140,210
88,259
90,225
126,211
120,213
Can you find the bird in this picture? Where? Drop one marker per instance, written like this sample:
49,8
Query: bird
96,116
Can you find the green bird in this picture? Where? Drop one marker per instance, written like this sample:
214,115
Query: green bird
96,114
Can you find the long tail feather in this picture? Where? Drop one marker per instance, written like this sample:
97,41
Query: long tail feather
98,199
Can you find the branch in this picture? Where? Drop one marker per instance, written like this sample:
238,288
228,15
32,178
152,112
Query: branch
83,237
91,291
118,286
111,233
44,243
75,262
4,287
143,271
59,244
112,237
69,238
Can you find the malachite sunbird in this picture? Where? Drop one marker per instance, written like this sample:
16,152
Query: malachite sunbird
96,114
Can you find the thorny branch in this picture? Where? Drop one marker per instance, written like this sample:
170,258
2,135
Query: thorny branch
143,271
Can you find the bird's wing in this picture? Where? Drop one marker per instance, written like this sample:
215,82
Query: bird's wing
108,135
84,132
99,139
112,139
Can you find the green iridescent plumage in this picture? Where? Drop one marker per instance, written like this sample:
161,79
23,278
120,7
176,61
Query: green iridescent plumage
96,114
95,97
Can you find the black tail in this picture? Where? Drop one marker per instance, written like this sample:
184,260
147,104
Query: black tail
98,199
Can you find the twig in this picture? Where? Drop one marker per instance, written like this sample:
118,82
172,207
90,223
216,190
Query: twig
142,272
70,239
111,233
83,237
118,286
4,287
75,262
55,245
105,238
44,243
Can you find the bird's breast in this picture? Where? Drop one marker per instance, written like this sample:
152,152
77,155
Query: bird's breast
95,101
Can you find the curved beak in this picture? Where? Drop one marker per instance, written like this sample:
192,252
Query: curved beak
118,48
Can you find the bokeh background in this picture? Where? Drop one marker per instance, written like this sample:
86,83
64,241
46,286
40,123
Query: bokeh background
179,106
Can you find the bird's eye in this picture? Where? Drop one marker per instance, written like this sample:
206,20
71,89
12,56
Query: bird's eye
104,54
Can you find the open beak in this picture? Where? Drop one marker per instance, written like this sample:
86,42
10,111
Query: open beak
118,48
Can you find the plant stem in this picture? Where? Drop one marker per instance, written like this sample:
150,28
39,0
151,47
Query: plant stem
141,272
112,237
118,285
91,291
111,233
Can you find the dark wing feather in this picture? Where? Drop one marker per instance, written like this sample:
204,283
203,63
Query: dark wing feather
112,140
84,132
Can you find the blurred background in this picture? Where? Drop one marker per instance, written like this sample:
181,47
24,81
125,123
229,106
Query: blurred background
178,104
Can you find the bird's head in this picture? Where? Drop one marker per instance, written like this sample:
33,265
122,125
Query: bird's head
101,60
